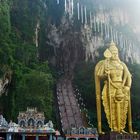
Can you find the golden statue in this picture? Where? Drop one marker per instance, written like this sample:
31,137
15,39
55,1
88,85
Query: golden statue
115,92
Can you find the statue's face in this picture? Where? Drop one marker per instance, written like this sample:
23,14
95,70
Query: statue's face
115,55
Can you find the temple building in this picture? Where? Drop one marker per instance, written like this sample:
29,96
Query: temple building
31,126
31,119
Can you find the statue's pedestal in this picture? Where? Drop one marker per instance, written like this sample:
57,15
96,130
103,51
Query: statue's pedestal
119,136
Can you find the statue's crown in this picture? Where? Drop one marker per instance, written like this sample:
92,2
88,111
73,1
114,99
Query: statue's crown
112,46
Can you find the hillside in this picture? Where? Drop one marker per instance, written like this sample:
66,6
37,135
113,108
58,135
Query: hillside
42,41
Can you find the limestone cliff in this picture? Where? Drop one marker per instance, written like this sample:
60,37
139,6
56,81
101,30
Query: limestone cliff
63,33
108,22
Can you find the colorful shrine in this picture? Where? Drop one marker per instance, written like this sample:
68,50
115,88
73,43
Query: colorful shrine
31,126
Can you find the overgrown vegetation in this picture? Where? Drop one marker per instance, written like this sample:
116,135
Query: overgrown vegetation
32,81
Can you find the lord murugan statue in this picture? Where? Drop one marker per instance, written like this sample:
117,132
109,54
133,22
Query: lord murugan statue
115,93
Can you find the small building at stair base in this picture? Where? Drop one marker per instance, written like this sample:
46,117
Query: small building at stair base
82,133
31,125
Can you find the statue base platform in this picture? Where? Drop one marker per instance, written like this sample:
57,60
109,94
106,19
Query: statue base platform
119,136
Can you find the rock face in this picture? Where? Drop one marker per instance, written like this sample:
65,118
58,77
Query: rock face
4,83
70,47
72,44
60,37
68,50
67,47
124,28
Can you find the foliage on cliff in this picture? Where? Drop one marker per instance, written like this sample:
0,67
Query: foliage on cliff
32,81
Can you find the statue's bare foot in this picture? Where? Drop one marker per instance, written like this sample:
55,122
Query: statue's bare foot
101,132
132,132
123,131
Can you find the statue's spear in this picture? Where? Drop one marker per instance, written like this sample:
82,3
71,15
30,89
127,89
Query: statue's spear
107,55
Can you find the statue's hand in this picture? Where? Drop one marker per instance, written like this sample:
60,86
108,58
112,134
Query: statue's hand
126,89
107,72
